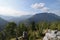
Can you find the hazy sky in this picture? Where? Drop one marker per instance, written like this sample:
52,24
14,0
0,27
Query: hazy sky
28,7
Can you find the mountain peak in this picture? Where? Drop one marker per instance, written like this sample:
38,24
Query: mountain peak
48,17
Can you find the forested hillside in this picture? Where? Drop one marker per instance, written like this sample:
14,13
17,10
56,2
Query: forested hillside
34,30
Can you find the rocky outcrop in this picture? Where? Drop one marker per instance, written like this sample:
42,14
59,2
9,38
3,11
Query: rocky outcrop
52,35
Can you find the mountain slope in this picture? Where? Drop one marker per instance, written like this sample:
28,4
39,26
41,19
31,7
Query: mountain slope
2,23
48,17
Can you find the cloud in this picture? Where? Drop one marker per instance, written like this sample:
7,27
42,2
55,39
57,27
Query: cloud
57,12
40,6
12,12
6,8
45,9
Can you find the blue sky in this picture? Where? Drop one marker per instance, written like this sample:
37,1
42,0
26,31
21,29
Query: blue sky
28,7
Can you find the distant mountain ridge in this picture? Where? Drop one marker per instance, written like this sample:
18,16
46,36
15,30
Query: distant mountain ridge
48,17
15,19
